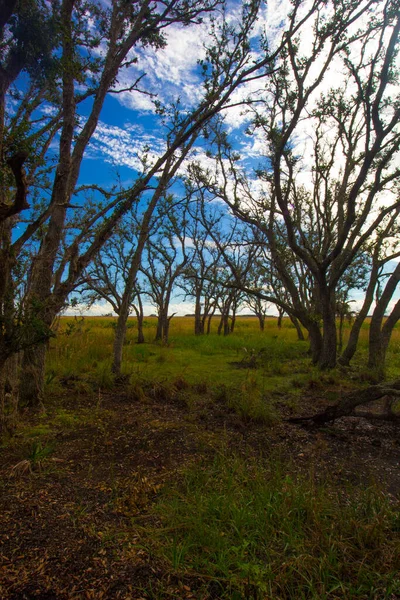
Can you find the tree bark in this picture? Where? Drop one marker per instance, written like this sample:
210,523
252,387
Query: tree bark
379,343
31,387
198,321
300,334
315,338
352,342
120,333
379,336
140,319
327,358
159,330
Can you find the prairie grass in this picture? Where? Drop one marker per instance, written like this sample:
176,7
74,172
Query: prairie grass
84,348
261,532
81,354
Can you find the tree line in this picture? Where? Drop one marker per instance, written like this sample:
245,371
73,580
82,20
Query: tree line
312,216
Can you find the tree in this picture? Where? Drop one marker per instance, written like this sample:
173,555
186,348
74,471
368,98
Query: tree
89,75
107,276
381,251
381,330
329,176
166,259
200,276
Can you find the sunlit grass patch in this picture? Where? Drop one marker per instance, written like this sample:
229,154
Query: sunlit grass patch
261,533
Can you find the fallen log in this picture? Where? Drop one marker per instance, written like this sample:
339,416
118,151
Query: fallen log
346,406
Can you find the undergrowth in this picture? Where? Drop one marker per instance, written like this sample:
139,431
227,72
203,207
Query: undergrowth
259,532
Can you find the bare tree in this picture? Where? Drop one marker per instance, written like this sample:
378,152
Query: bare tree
382,250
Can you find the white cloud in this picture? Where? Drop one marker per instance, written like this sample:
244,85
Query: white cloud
123,146
169,72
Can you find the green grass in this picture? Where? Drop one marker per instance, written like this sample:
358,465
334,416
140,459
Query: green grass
84,349
261,533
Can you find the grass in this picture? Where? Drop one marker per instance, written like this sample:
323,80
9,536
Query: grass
86,351
246,526
260,532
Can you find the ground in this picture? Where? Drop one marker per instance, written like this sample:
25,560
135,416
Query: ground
78,484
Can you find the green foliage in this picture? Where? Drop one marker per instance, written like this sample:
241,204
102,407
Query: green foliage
261,533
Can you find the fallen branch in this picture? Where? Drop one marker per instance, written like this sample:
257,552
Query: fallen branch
350,401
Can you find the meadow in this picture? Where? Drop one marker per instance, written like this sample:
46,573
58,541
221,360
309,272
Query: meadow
184,479
83,347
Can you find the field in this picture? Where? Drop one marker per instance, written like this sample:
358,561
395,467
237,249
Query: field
184,479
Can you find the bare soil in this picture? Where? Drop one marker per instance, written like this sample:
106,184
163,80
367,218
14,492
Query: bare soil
71,524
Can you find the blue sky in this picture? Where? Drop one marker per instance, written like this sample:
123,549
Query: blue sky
128,121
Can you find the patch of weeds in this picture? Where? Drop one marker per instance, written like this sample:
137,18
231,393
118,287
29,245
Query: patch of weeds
180,384
65,418
137,393
201,388
164,391
161,358
261,533
297,382
40,430
103,376
37,457
251,404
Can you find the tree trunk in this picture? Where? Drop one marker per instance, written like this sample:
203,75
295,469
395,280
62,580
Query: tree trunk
352,342
327,358
31,385
233,322
120,333
9,395
160,326
198,322
220,325
140,336
167,324
209,319
227,328
341,322
379,342
300,334
379,336
261,321
350,401
140,318
315,339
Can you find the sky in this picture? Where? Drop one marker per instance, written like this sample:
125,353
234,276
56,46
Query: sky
129,123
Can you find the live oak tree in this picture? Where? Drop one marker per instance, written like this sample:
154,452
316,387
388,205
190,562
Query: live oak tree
329,122
381,328
117,30
107,277
165,258
199,281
